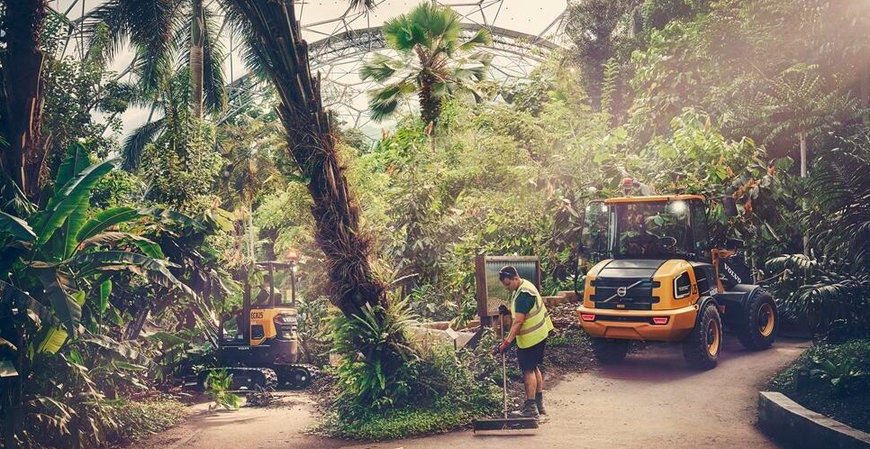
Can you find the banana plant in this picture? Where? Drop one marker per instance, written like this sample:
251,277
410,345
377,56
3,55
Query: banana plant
64,255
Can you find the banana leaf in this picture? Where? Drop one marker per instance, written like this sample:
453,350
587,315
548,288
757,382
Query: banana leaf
56,286
16,227
147,246
75,161
67,200
105,220
139,264
105,292
53,341
12,297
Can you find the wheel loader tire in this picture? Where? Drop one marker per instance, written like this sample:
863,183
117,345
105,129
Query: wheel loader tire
760,321
701,348
609,351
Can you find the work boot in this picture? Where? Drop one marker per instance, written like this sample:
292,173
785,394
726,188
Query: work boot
539,401
529,410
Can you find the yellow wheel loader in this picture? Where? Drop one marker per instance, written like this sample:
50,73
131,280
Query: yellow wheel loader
658,278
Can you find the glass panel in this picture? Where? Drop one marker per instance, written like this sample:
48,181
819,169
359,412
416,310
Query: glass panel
594,236
699,223
231,330
652,229
495,292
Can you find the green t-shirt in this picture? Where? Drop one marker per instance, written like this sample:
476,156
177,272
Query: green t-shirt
524,303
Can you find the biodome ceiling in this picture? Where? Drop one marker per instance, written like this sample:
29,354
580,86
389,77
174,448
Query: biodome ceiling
341,39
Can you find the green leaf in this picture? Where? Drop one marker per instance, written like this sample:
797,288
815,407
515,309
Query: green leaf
53,341
105,292
128,366
66,201
105,220
16,227
12,297
138,264
147,246
64,306
75,161
167,339
74,223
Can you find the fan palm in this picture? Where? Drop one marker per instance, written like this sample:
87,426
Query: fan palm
430,62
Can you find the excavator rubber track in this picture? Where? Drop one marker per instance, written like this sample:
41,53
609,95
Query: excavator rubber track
244,378
296,376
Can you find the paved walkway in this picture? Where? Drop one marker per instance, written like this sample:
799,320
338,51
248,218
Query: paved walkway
652,401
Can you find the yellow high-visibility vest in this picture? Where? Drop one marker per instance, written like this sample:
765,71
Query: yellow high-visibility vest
538,324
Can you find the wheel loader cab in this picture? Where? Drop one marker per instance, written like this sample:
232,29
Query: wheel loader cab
654,275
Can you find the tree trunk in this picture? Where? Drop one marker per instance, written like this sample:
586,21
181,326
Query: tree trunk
134,328
250,233
197,37
337,217
24,94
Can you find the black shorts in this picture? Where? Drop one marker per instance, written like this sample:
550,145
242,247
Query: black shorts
529,358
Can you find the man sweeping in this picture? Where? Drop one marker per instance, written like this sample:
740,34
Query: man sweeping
531,326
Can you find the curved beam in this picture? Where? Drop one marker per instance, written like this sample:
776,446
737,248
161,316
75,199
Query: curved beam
353,43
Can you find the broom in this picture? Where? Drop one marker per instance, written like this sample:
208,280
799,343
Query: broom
504,423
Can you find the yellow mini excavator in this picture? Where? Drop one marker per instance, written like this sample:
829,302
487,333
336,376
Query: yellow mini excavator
658,278
259,344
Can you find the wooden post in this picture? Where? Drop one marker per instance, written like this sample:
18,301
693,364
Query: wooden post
480,289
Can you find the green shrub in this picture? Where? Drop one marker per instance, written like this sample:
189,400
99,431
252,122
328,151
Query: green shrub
136,420
435,391
832,380
219,384
379,366
827,369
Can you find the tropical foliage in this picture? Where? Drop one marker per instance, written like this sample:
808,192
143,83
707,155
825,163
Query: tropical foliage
111,281
60,263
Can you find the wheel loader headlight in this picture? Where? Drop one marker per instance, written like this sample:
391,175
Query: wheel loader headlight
682,285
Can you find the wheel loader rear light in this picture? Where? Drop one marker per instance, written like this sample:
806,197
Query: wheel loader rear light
660,320
587,316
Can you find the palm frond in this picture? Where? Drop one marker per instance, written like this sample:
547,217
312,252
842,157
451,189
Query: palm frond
381,68
384,101
147,24
367,5
481,37
253,53
214,84
134,144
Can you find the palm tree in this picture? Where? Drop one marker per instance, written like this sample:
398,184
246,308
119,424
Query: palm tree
161,31
277,49
23,93
429,63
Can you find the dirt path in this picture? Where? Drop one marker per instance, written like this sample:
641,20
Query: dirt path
653,400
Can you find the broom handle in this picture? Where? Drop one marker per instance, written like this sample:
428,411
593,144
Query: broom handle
503,368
